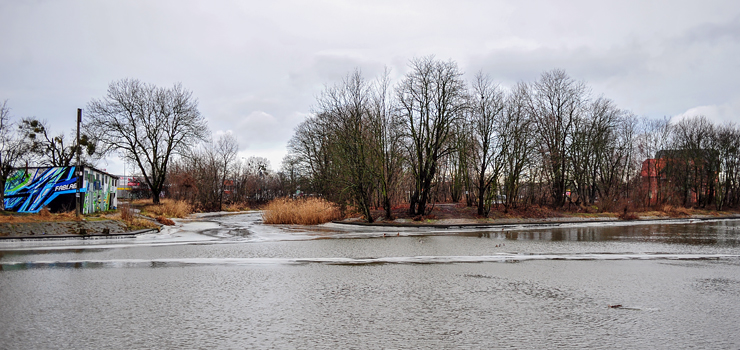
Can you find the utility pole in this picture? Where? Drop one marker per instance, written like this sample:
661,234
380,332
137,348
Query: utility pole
77,167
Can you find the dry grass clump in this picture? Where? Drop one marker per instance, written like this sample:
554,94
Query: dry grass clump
165,221
126,214
44,213
237,206
140,224
676,211
166,207
311,211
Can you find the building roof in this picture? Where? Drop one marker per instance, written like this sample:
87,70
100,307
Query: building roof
83,167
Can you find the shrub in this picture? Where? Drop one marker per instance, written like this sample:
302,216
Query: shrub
311,211
127,214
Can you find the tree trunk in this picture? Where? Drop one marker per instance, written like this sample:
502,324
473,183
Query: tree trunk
387,207
2,193
155,195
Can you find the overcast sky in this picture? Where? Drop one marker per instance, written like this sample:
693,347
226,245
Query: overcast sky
256,67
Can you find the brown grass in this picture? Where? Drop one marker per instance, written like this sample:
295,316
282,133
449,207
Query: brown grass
311,211
165,221
127,213
132,222
43,216
44,213
166,207
676,211
140,224
238,206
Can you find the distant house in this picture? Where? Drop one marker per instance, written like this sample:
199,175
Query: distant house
28,190
653,180
685,175
132,187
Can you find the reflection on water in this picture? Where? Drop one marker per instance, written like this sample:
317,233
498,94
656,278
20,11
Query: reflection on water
234,283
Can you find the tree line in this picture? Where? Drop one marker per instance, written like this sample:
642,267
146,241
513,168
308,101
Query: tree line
431,137
434,137
157,130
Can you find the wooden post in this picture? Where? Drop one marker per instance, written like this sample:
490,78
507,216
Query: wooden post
78,171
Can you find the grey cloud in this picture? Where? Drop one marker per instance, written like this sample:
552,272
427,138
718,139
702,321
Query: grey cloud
256,67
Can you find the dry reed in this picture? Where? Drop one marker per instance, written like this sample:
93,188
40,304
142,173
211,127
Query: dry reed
236,206
311,211
166,207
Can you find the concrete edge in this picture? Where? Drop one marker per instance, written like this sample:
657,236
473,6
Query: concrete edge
91,236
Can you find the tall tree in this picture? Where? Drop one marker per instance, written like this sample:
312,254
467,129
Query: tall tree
311,154
727,143
653,136
226,149
556,102
431,100
487,107
345,108
147,124
516,142
694,161
387,131
13,147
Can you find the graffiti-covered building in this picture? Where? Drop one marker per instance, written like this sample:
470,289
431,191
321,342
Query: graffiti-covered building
28,190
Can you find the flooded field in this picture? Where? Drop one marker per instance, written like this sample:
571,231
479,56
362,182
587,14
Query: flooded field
231,282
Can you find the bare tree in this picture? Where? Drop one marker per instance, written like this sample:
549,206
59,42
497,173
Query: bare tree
147,124
653,136
345,108
431,99
311,154
727,143
693,161
556,101
253,176
487,107
516,143
13,147
387,131
55,151
225,152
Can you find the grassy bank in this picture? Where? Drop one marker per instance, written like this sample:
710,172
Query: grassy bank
42,216
126,216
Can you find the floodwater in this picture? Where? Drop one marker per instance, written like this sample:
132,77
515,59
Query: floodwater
230,282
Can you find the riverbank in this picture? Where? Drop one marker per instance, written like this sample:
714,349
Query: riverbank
455,223
67,229
448,215
45,224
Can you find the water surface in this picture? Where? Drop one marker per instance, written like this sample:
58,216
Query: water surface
231,282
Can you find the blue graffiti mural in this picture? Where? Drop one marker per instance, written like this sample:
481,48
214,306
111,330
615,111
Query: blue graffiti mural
30,190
